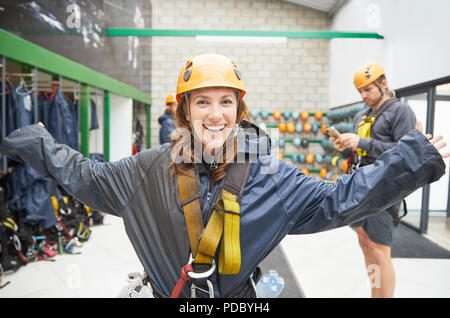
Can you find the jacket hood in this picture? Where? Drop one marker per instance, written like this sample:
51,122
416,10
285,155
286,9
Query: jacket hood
164,117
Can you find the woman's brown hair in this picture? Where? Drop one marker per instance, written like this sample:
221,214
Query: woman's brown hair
182,122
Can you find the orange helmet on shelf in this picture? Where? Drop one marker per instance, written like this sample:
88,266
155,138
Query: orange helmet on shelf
318,115
304,115
276,114
307,127
290,127
209,70
344,165
323,173
367,74
310,158
171,98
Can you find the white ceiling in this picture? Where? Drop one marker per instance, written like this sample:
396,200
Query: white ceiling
328,6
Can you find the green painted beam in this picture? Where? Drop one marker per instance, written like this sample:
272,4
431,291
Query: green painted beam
85,107
250,33
23,51
106,126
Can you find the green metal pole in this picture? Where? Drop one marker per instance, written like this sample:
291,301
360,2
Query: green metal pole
149,130
106,127
85,106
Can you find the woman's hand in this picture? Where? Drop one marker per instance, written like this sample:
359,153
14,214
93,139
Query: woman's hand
434,141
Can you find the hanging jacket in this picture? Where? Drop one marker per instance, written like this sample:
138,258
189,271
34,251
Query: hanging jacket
75,106
62,121
28,193
167,126
24,110
277,200
10,104
44,105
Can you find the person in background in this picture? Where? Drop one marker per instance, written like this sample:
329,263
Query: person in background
167,119
375,130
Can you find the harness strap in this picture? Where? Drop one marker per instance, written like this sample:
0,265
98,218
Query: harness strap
223,225
188,190
230,250
394,212
364,127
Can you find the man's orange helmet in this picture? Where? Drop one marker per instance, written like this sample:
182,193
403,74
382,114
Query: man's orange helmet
209,70
171,98
367,74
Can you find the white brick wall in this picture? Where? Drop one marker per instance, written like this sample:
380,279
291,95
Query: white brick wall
288,76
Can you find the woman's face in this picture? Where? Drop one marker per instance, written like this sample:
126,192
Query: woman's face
213,113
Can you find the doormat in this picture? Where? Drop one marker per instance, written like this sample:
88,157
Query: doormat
408,243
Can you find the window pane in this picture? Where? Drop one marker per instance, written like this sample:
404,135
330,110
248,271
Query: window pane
439,189
418,104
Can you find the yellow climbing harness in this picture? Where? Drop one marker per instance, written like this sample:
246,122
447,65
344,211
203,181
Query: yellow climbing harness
364,128
223,226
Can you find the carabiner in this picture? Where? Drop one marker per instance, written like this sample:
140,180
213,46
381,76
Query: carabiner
210,289
203,274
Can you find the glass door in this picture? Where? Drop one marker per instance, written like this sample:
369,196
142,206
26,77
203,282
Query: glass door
419,104
439,216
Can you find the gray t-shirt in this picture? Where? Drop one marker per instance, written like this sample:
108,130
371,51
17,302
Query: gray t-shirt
394,120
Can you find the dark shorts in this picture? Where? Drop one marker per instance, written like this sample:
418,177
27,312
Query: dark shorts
379,227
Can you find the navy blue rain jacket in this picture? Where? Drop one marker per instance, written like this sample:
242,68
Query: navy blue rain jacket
29,194
277,200
63,121
167,126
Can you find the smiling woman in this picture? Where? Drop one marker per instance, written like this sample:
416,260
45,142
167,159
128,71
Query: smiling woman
210,91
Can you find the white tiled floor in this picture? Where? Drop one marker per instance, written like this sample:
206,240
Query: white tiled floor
331,264
328,264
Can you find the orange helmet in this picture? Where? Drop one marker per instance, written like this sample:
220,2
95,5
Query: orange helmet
209,70
367,74
304,115
323,173
171,98
276,114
